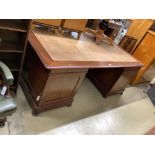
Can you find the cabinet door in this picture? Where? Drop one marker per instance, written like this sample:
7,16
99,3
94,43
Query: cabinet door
75,24
52,22
60,86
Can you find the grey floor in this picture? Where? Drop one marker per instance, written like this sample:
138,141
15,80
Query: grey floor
130,113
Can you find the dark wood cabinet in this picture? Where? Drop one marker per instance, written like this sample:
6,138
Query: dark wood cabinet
13,40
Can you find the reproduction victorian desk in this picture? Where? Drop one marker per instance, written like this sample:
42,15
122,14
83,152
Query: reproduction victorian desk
55,66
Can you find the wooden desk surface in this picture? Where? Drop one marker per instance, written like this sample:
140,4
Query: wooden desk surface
151,32
61,52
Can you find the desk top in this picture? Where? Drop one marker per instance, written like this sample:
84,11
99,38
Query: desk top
151,32
60,52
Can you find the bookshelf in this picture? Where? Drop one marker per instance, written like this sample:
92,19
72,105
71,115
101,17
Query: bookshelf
13,41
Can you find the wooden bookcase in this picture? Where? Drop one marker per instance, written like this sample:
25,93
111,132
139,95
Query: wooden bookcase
13,40
138,30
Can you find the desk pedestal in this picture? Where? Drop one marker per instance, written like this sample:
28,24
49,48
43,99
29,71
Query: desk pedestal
110,81
47,89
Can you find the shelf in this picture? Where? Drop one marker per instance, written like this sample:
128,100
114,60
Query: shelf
13,25
12,60
13,66
9,46
13,34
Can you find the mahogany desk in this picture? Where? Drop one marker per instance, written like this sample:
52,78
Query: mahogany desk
55,66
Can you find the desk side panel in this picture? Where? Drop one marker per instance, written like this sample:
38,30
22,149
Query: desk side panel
34,73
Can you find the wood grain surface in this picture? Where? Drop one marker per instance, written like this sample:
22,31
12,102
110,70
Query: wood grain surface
145,53
138,29
56,51
50,22
74,24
